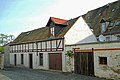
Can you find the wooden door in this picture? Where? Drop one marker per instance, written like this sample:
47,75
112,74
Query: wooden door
15,60
55,61
84,63
30,61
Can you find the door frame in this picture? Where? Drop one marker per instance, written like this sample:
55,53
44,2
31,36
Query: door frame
84,62
30,60
55,62
15,59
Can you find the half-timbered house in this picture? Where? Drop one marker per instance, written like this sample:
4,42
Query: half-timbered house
40,48
44,48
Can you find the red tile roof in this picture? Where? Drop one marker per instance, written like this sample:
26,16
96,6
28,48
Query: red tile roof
58,21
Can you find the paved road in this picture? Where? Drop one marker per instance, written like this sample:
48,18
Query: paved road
29,74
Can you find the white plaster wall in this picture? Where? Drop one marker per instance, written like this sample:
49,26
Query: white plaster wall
35,56
11,58
26,59
79,33
112,69
7,55
45,61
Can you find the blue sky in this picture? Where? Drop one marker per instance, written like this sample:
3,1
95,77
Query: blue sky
18,16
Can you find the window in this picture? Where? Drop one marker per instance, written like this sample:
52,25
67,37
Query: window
41,59
22,60
118,37
107,38
52,31
103,60
113,10
111,24
118,23
103,29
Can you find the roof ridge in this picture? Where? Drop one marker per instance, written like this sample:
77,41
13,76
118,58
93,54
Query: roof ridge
35,29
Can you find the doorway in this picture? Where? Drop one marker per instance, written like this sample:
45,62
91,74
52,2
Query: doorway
30,61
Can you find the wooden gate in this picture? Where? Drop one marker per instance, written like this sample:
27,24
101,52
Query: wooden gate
84,63
55,61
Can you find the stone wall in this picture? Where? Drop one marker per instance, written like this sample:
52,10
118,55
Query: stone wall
112,67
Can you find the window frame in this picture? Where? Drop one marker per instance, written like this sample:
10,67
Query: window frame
40,59
118,21
111,24
103,60
52,31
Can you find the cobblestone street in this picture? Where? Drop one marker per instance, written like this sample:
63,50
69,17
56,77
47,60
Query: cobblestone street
29,74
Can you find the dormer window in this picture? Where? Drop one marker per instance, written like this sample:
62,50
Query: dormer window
52,31
118,23
111,24
103,27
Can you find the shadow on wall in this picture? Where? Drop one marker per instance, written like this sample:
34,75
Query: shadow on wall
88,39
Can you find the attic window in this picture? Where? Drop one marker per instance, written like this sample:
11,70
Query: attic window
52,31
113,10
28,33
99,14
118,23
88,17
111,24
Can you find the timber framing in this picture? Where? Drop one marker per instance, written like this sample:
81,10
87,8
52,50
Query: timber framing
25,47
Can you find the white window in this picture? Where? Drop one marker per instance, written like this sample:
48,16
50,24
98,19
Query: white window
52,31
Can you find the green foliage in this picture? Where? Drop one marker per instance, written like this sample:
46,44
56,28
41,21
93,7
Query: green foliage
4,39
1,49
69,53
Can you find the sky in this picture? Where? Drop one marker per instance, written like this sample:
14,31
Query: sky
18,16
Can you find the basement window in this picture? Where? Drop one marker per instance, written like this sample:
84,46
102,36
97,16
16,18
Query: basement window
103,60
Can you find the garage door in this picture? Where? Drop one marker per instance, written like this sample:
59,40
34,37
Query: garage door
55,61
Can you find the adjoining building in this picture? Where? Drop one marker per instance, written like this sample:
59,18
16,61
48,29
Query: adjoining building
101,58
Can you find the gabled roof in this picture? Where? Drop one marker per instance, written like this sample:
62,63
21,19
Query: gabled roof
109,12
65,29
57,21
42,34
34,35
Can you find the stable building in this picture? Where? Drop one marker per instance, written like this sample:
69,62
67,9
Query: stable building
44,48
